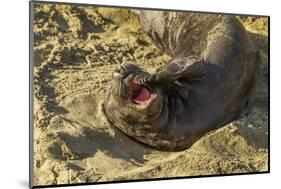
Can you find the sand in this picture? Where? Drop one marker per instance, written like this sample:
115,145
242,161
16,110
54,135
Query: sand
75,51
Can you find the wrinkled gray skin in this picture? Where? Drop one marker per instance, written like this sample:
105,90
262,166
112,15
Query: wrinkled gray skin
209,82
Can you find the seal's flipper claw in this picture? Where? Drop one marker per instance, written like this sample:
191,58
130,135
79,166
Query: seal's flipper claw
143,78
148,79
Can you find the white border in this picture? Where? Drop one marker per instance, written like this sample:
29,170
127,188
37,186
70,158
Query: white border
14,92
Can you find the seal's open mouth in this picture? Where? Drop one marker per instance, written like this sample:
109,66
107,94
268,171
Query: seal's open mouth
141,93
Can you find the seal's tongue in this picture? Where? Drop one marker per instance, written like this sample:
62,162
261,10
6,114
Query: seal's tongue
142,95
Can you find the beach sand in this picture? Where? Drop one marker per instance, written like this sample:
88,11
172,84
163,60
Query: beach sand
75,50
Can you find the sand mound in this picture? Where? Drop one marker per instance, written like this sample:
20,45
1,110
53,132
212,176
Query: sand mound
76,49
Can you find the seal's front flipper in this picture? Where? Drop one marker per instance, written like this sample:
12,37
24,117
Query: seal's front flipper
187,68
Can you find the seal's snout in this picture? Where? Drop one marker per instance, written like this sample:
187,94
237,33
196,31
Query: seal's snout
129,81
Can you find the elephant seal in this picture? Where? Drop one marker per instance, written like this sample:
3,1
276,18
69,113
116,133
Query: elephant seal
209,82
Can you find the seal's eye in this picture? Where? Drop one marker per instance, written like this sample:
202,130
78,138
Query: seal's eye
140,93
